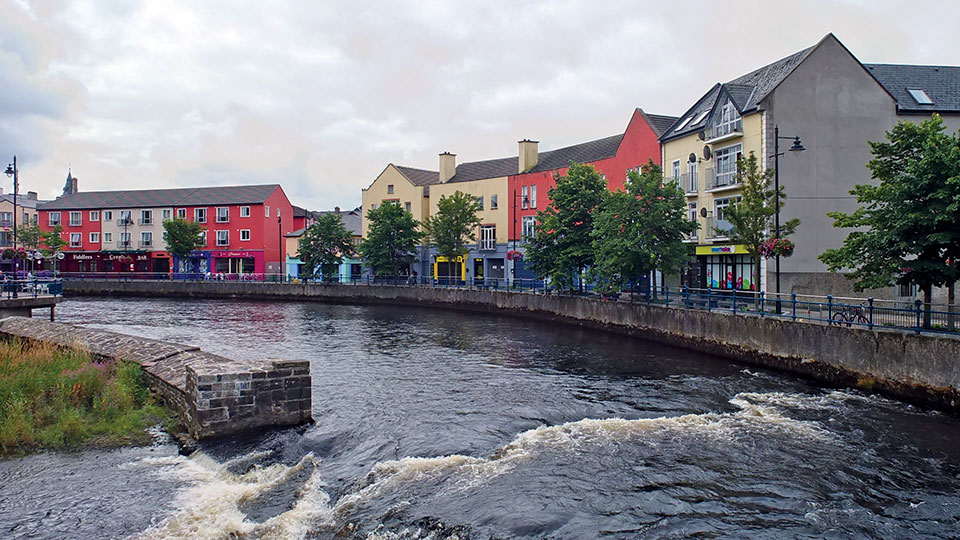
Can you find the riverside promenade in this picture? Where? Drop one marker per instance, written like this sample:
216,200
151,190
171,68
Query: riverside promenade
921,368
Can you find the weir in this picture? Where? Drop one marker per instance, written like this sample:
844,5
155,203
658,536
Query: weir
922,369
212,395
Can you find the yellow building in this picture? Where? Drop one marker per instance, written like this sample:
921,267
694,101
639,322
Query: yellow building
26,214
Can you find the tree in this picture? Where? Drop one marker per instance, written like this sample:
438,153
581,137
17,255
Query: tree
640,229
909,223
392,239
561,248
53,240
453,225
752,218
323,246
183,236
30,236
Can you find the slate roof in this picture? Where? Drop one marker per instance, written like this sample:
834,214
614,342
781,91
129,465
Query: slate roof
350,219
581,153
746,92
491,168
22,200
419,177
660,122
207,196
941,83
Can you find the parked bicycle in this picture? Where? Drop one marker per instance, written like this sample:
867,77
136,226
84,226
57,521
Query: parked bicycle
849,315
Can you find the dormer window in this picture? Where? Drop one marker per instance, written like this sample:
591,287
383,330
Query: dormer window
920,96
727,121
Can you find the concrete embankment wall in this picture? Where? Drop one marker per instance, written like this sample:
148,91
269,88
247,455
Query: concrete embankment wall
919,368
212,395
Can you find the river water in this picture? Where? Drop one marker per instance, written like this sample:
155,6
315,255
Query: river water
436,424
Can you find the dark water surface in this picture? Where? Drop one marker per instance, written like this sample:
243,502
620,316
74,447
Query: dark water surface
437,424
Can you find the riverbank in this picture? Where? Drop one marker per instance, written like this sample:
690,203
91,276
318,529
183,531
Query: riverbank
53,399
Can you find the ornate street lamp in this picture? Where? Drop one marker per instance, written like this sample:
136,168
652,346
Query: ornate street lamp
796,148
13,171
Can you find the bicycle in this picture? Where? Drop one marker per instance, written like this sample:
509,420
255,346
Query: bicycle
850,315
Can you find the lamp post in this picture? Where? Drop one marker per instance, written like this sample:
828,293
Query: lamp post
283,257
13,171
796,148
516,233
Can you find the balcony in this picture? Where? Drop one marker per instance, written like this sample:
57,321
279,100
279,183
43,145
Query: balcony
720,180
691,237
146,222
723,132
688,182
6,223
146,243
125,222
123,243
717,228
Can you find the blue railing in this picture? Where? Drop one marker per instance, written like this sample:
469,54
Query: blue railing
31,287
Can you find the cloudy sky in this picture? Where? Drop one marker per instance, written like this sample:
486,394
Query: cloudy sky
320,96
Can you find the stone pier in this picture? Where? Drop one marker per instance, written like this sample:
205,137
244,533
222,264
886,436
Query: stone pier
212,395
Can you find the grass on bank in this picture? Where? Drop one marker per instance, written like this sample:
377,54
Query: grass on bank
51,398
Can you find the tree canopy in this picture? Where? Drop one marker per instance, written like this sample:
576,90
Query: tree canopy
908,225
183,236
52,241
639,230
392,239
323,246
752,218
561,248
453,225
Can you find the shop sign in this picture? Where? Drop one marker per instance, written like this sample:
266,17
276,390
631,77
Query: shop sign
225,254
81,256
732,249
118,257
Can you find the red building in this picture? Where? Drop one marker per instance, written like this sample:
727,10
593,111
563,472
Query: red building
611,156
120,231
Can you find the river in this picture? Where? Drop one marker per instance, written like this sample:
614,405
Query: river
441,425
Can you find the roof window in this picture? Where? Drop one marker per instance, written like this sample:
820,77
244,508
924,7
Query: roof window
684,123
920,96
700,117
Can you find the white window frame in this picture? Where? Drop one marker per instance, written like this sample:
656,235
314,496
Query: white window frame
533,196
528,226
197,212
203,238
389,189
244,211
692,174
479,201
94,215
488,237
146,238
79,219
225,235
524,197
107,216
728,120
146,217
244,235
181,213
725,164
676,169
494,202
108,237
407,206
225,218
53,219
166,214
124,240
920,96
266,211
76,240
94,238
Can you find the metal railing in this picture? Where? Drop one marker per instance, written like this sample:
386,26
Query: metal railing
717,228
26,286
716,179
688,181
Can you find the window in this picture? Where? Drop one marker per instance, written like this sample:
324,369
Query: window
529,224
692,216
203,237
108,237
181,213
920,96
266,211
94,215
676,170
26,217
53,218
906,290
488,237
480,203
244,235
244,211
166,214
94,238
525,197
684,123
389,189
124,240
720,206
76,240
146,217
146,239
493,202
6,219
124,218
223,214
223,238
373,207
406,206
200,215
727,121
700,117
35,218
725,165
108,215
533,196
691,183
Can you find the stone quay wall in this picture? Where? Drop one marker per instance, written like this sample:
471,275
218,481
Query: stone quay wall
212,395
919,368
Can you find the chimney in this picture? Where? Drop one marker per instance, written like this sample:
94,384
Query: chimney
528,154
336,209
31,195
76,188
448,166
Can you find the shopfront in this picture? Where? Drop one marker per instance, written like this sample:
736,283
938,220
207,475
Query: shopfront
445,268
721,267
237,262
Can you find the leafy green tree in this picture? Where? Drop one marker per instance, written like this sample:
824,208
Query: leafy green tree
183,236
908,224
561,248
323,246
640,229
30,236
752,218
453,225
392,239
52,240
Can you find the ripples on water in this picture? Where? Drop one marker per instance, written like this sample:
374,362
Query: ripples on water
435,424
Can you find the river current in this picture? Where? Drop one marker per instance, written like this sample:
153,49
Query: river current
439,425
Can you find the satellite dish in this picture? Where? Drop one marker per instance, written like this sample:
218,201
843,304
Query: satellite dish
703,211
702,135
692,158
707,154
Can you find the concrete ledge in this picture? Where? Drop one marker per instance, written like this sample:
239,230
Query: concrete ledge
918,368
212,395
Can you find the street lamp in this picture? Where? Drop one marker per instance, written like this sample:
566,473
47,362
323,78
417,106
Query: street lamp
283,255
796,148
13,171
516,233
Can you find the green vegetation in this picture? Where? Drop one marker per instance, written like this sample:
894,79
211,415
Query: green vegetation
183,236
639,230
453,225
57,399
392,239
323,246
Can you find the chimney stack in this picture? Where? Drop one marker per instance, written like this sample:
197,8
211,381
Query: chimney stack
528,155
336,209
31,195
448,166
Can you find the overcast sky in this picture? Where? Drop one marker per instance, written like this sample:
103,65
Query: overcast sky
320,96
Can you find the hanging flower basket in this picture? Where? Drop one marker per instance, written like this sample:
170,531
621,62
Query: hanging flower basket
11,253
514,255
777,246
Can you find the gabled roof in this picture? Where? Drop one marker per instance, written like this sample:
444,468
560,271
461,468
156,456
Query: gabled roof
419,177
746,92
207,196
350,219
491,168
22,200
940,83
660,122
